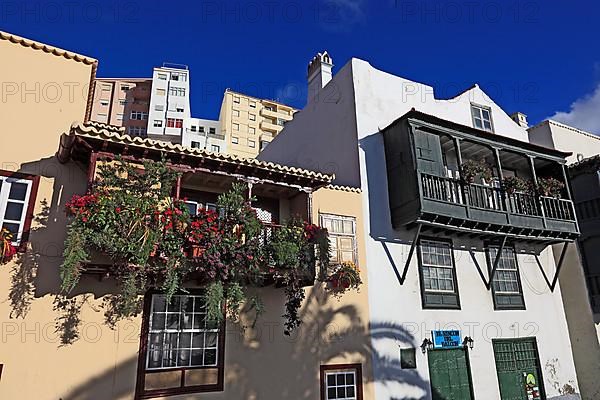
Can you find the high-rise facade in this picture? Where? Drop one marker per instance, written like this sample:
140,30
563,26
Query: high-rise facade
203,134
122,102
169,102
249,124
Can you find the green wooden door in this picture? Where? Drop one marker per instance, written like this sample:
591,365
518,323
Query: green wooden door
449,374
518,368
429,153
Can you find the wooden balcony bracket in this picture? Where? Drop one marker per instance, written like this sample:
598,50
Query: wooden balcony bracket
488,283
552,285
410,254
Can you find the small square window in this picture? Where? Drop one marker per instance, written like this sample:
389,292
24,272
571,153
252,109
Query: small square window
251,143
161,92
341,382
195,145
212,131
408,358
214,148
252,117
482,118
235,140
236,99
252,104
157,123
236,127
236,113
162,77
252,130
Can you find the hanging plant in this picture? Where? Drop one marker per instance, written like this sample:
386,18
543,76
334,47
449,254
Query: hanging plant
550,187
514,184
7,250
153,241
344,277
470,169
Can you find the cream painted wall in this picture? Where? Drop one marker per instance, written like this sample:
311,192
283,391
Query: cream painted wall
101,363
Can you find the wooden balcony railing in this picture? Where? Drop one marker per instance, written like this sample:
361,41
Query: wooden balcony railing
479,196
558,208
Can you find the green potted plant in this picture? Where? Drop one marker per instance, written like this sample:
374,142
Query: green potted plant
550,187
470,169
514,184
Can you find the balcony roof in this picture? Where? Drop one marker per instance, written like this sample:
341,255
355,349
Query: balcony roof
478,133
585,166
86,138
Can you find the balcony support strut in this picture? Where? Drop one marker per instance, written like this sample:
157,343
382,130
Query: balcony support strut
488,285
552,285
410,254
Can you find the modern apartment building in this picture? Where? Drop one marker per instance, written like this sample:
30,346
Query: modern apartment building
466,303
203,134
122,102
580,281
249,124
169,102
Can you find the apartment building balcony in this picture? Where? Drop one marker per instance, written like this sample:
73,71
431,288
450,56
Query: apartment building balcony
265,112
269,126
427,162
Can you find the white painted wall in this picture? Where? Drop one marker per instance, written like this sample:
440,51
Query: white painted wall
323,134
566,138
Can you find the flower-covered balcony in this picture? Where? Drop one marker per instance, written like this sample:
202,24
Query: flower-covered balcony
163,216
473,181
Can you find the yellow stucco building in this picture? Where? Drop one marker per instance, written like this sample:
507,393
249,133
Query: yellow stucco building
64,349
249,123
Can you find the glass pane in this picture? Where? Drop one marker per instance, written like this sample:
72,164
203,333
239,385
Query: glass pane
159,303
173,321
14,211
158,322
330,380
210,357
211,340
341,392
350,379
348,227
185,340
341,379
13,228
197,357
174,305
487,125
184,358
485,114
18,191
198,340
331,393
346,243
478,123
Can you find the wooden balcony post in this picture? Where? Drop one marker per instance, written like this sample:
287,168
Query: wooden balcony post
537,196
178,188
566,179
462,181
309,206
500,179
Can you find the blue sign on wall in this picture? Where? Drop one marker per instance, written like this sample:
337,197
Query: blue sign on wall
446,339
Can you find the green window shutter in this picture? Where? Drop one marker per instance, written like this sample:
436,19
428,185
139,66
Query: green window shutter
428,150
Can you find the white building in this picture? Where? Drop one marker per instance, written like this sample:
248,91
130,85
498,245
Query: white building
432,239
203,134
169,102
580,280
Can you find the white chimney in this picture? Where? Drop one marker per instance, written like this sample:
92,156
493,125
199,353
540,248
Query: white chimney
319,73
520,119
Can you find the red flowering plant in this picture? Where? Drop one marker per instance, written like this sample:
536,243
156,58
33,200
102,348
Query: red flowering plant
7,250
345,276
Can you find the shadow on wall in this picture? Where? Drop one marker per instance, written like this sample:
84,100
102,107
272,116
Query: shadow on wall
36,271
255,356
331,331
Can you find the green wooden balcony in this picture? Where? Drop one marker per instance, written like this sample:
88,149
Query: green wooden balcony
430,184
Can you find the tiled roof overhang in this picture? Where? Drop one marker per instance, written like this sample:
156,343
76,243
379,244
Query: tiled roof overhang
92,137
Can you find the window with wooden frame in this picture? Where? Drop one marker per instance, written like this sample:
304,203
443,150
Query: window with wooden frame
181,350
341,382
506,285
342,237
439,287
17,201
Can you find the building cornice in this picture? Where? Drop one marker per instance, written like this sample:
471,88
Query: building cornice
47,48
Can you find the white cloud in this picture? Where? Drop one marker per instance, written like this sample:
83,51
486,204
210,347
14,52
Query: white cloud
584,113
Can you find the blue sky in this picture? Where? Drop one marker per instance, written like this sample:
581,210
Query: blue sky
538,57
